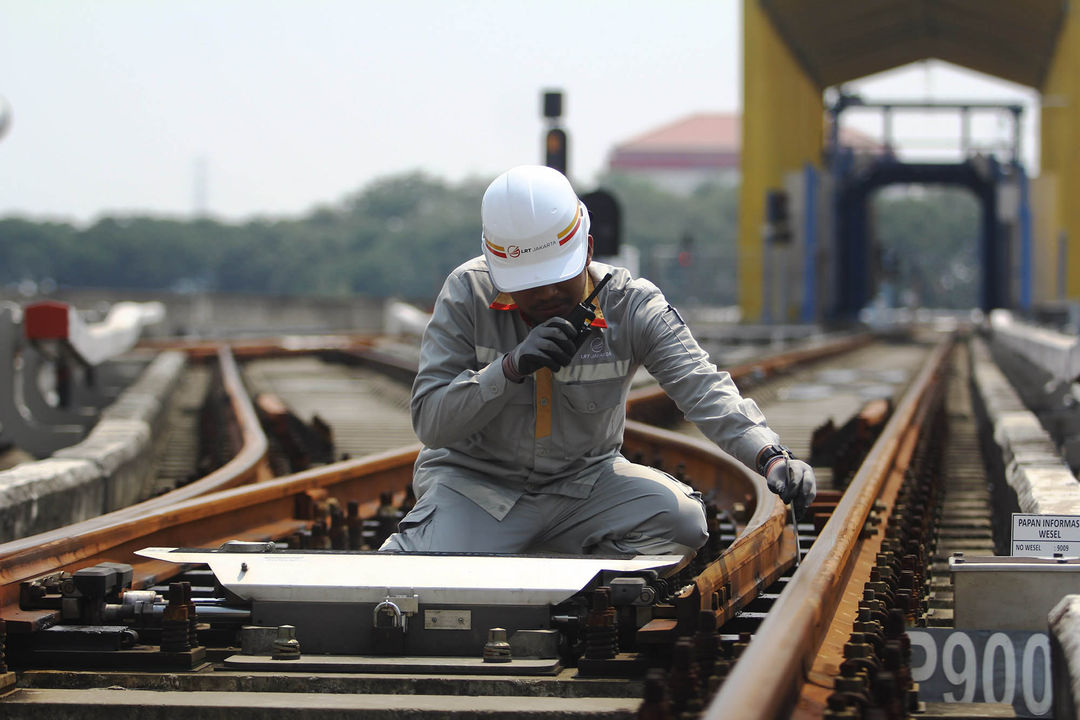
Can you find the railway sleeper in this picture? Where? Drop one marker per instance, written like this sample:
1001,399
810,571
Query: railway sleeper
875,673
294,444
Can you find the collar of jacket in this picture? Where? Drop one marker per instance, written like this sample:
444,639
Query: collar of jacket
503,301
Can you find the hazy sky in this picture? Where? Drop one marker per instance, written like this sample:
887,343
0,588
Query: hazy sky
123,105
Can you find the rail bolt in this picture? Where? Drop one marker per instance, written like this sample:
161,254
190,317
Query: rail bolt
497,649
286,646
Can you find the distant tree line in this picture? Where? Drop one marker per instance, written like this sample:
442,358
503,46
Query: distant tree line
929,239
401,235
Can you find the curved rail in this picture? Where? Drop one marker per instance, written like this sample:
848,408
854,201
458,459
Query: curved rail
74,544
261,511
765,548
767,680
268,510
250,463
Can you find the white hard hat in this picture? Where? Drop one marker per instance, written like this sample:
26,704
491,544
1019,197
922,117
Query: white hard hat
536,230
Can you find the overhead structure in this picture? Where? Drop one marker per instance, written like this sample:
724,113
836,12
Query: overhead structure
795,49
1058,225
783,129
837,41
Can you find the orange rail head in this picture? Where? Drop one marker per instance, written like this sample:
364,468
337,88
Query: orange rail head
250,463
780,362
96,535
764,550
652,405
263,347
271,405
875,412
239,512
757,559
766,681
826,664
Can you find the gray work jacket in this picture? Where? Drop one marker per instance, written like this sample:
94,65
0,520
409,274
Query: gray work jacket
493,440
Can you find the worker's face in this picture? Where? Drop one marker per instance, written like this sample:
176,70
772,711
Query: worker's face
555,300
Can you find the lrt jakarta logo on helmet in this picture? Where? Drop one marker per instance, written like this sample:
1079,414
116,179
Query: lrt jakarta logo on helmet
514,251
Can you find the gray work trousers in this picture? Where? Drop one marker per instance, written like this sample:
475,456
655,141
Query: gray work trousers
632,509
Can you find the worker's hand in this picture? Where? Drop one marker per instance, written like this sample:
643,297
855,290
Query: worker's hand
798,487
550,345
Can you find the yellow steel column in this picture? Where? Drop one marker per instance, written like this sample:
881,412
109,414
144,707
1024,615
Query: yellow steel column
782,129
1060,157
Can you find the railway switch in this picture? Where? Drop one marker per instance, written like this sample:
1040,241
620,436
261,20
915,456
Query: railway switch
355,610
542,611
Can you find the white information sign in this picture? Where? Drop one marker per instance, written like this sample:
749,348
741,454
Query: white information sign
1045,535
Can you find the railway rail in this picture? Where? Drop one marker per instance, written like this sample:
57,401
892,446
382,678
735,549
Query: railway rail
758,625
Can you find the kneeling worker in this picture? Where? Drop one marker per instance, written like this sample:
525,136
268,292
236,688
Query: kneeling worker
522,419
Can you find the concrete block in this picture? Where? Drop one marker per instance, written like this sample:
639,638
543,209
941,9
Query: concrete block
111,468
148,398
122,449
1044,490
40,496
1064,628
140,407
1032,464
1018,428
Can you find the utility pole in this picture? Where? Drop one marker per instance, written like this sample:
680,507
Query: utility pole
5,116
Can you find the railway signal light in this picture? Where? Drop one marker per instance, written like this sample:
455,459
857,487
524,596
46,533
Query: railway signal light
552,104
605,222
777,216
555,150
686,251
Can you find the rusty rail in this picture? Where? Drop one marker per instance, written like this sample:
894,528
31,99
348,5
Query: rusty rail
249,465
652,405
764,549
261,511
767,680
75,544
267,511
280,346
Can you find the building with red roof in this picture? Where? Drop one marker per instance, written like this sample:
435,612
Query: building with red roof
684,154
698,149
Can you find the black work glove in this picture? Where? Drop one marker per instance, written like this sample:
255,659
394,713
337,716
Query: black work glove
793,480
550,345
